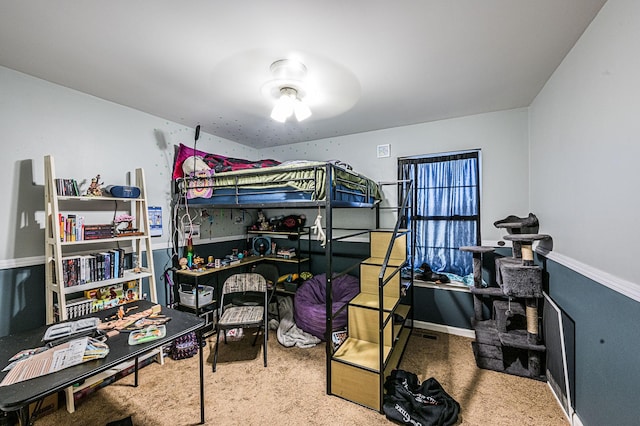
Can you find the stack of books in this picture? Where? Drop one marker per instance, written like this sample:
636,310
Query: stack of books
286,253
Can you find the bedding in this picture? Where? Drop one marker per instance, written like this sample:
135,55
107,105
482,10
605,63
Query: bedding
218,163
237,181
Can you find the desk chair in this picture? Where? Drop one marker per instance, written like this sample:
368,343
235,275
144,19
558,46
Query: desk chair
246,315
270,273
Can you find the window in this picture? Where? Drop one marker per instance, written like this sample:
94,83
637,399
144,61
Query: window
445,209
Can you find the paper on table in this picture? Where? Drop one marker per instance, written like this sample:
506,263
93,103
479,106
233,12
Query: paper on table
49,361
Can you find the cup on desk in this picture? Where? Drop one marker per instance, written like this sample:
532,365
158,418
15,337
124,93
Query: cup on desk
218,263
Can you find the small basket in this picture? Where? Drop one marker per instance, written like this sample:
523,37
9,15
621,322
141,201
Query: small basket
188,295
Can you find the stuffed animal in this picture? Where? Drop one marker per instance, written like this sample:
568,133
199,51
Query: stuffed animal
194,164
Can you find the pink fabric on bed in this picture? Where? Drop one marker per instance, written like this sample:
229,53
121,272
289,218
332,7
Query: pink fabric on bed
219,163
200,184
183,153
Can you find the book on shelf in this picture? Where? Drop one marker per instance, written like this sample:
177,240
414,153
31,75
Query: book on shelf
73,228
95,232
286,253
67,187
71,271
87,268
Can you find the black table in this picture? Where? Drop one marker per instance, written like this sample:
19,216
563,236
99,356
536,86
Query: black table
19,395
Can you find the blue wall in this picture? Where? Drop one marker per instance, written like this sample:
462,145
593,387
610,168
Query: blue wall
445,307
21,299
607,347
22,295
601,335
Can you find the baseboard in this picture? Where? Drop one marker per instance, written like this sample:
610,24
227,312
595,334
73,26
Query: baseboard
560,404
444,329
21,262
575,420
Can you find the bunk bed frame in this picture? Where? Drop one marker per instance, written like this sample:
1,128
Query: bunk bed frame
318,185
322,185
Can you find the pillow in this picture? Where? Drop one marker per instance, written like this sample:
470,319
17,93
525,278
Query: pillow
194,164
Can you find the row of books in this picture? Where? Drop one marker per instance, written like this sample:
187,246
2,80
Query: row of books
82,269
101,298
73,228
68,187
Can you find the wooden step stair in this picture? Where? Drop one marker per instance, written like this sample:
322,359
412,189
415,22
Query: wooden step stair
376,334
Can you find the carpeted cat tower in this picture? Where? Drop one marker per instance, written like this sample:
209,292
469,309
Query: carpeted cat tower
509,341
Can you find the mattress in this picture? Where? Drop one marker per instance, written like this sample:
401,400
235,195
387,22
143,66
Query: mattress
288,182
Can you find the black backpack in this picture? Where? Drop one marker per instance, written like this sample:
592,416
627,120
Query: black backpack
406,401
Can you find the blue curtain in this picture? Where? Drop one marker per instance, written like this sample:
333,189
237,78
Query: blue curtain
445,212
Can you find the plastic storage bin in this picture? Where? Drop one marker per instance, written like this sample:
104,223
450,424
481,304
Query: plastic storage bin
188,295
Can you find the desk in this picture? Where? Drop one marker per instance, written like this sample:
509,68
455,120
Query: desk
198,274
208,271
19,395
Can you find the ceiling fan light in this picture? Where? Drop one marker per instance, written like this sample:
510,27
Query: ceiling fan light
283,108
301,110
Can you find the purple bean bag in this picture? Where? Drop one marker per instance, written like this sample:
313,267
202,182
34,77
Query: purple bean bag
310,306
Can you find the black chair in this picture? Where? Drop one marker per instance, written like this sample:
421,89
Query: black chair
245,315
270,273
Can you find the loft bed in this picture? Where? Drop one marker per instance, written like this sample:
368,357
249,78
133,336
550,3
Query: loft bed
300,184
203,179
215,181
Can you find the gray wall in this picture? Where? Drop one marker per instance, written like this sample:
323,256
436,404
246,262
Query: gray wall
86,136
501,136
584,131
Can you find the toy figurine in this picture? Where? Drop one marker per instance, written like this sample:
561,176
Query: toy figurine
183,263
262,222
95,189
198,262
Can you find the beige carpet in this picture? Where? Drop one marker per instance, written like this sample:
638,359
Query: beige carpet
292,390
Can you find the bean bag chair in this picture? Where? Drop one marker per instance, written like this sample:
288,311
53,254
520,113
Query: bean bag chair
310,303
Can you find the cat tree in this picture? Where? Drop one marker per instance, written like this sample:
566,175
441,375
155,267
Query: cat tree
509,341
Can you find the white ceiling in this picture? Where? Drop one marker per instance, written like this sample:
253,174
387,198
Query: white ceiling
372,64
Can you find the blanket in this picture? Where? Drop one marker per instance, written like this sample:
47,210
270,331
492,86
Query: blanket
218,163
288,332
